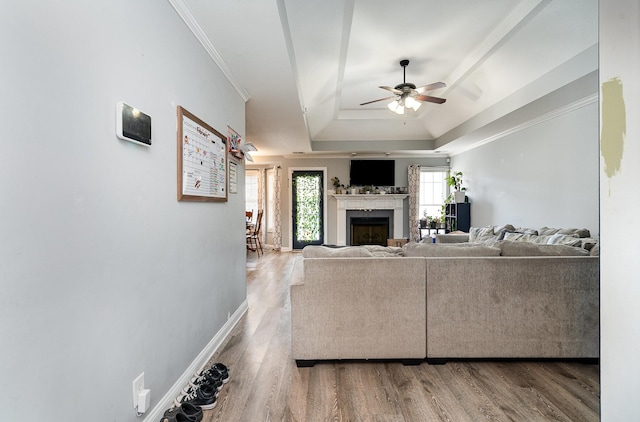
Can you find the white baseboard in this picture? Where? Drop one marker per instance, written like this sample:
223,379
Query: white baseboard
200,361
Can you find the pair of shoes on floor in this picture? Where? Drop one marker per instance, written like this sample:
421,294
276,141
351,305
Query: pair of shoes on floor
185,413
209,377
203,388
217,370
203,396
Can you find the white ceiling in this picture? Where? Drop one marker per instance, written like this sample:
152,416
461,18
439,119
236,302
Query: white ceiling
304,66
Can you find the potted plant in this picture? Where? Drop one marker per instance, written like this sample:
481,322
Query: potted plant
336,184
442,219
424,220
454,180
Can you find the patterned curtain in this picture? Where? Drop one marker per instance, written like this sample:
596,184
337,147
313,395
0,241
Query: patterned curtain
277,218
414,202
262,179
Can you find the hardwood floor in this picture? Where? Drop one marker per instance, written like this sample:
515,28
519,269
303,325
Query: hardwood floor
266,385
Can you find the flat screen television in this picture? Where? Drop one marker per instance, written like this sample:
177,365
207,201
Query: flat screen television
372,172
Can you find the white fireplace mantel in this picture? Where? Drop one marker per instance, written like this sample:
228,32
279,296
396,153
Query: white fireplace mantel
393,202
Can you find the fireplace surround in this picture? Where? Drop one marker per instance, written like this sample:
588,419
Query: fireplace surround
391,204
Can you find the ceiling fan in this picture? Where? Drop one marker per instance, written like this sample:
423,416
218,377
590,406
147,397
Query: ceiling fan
407,95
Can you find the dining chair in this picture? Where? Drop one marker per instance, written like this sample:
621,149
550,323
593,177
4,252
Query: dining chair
253,235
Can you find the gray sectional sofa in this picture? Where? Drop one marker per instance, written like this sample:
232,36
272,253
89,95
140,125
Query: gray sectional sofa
445,301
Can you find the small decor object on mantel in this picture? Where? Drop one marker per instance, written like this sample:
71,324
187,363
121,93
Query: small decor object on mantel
336,184
454,180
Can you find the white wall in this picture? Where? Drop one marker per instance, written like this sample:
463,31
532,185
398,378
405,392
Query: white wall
620,204
103,274
542,175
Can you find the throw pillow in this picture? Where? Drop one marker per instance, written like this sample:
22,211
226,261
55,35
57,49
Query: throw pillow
588,242
477,233
577,232
500,231
523,237
547,231
526,230
563,239
385,251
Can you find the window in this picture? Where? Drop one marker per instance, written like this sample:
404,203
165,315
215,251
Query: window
251,191
433,191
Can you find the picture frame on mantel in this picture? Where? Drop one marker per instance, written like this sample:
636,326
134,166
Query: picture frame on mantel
202,160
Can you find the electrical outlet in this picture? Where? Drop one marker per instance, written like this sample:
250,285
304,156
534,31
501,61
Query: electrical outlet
138,386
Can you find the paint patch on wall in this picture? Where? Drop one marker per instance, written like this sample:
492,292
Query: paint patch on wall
614,126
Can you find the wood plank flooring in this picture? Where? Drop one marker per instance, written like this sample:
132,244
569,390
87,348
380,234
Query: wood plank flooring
266,385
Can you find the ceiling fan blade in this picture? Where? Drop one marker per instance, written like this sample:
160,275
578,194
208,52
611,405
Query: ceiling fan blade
430,99
375,101
395,91
430,87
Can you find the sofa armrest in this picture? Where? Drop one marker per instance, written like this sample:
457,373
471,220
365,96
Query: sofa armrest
359,308
297,272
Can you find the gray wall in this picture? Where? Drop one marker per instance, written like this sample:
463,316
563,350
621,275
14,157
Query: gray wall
336,167
103,274
546,174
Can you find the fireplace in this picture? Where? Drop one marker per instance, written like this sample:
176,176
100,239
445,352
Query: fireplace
369,231
368,227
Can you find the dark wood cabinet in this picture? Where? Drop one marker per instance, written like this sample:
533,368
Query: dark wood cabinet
458,216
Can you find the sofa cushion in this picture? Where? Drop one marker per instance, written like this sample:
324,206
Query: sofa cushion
313,251
510,248
452,249
595,251
452,238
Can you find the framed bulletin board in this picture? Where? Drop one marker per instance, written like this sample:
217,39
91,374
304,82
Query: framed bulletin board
202,160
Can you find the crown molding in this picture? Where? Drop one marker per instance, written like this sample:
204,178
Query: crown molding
201,36
567,108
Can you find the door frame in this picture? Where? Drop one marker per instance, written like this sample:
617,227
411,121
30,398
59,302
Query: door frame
290,200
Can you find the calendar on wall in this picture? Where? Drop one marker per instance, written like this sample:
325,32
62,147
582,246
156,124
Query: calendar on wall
202,160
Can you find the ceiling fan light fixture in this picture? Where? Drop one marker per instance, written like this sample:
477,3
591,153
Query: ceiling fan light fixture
408,96
410,102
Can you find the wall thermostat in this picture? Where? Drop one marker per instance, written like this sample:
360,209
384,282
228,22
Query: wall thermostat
132,124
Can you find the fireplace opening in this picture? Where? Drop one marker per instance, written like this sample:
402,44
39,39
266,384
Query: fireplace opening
369,231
